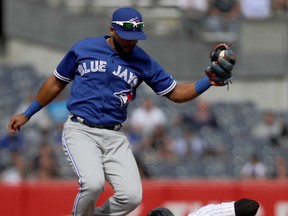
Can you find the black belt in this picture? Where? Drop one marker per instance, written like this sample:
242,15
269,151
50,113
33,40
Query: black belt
74,118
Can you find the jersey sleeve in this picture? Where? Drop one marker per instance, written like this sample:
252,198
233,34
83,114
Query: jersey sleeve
159,80
65,70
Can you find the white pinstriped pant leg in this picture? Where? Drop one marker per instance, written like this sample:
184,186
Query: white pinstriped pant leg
222,209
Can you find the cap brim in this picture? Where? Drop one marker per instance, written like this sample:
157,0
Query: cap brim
130,35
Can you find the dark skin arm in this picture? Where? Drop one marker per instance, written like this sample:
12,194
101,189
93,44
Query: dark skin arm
184,92
50,89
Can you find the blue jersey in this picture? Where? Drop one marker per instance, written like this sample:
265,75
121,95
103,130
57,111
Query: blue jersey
105,82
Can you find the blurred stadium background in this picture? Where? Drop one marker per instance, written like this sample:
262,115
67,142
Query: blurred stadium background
35,35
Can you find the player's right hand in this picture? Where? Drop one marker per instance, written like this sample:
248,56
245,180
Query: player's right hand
16,122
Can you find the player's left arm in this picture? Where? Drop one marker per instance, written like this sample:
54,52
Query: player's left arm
188,91
182,92
219,73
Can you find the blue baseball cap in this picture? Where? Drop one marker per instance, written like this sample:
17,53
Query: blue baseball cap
128,14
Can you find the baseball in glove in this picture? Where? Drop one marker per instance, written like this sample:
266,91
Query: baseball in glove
222,62
161,211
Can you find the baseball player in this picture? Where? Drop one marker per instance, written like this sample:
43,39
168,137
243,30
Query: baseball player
241,207
106,72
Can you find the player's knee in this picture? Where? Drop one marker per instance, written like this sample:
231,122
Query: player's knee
130,200
134,194
93,187
246,207
135,199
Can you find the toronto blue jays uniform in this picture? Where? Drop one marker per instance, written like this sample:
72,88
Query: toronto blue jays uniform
104,83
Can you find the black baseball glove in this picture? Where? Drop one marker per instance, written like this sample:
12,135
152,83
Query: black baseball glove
161,211
222,63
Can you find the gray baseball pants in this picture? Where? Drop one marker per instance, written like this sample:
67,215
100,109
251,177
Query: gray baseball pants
97,155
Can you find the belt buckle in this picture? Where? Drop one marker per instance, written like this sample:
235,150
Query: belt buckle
117,127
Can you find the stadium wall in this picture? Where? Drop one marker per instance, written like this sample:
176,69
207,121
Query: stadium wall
56,198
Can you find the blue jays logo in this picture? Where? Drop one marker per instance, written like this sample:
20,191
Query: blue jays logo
134,20
125,97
